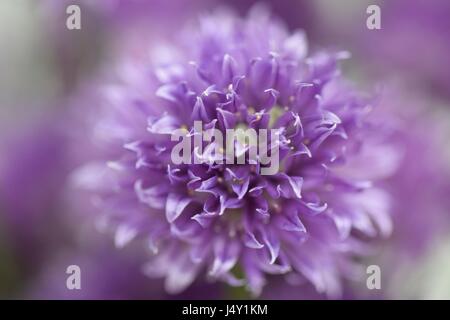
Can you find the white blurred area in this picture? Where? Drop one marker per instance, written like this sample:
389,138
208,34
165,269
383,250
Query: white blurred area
427,279
28,77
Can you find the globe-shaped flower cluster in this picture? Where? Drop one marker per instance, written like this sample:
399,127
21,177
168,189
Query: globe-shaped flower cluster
308,221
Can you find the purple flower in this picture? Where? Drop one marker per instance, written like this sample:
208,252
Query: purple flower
405,24
306,222
106,273
44,230
419,197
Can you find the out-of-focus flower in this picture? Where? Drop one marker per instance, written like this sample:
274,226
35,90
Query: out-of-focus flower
415,38
423,173
295,13
105,27
105,273
419,188
419,201
307,221
45,232
33,169
32,176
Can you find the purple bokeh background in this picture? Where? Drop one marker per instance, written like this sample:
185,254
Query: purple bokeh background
44,227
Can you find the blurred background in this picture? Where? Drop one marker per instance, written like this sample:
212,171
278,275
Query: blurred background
44,67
